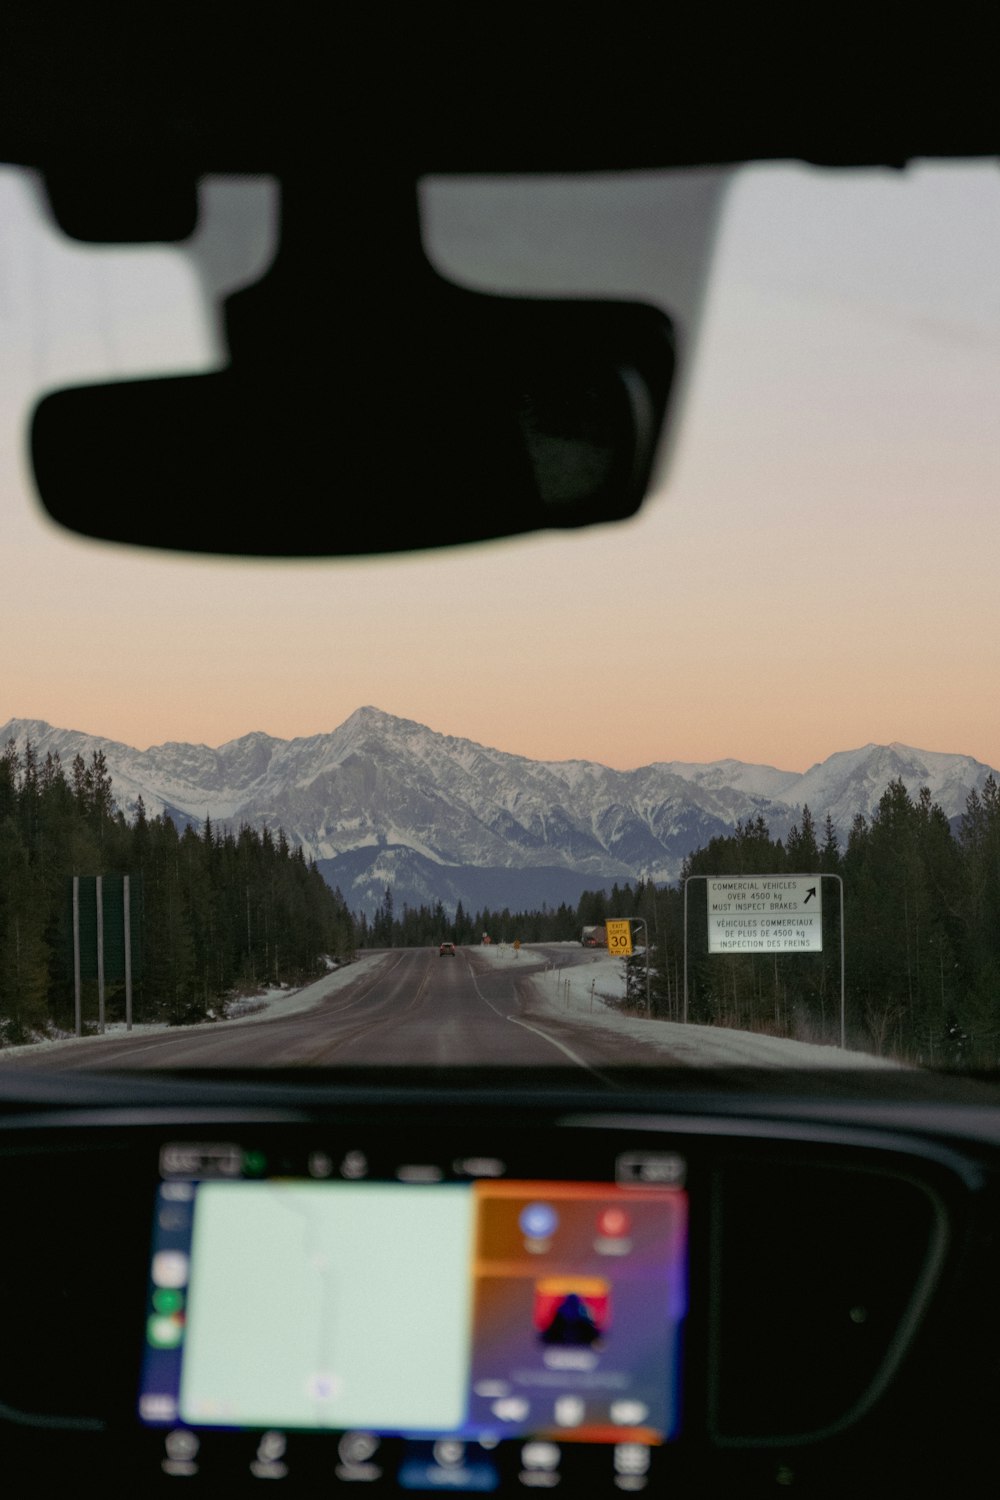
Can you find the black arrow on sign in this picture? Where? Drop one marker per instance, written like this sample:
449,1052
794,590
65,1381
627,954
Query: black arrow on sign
809,894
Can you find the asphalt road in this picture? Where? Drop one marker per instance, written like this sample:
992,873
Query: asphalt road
414,1009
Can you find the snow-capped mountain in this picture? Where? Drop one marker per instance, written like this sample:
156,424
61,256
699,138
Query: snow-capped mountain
383,801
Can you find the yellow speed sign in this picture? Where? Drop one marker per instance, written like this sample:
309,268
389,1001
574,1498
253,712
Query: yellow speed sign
619,935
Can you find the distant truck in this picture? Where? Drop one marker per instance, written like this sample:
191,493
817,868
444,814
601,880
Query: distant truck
594,937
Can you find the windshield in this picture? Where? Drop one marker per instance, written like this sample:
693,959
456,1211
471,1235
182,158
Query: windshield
712,789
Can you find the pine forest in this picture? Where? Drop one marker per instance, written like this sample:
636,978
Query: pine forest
219,914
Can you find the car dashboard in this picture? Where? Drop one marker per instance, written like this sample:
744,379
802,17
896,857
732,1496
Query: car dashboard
491,1291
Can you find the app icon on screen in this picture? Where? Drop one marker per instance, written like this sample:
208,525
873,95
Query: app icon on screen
613,1223
538,1221
572,1310
614,1228
164,1333
569,1411
170,1268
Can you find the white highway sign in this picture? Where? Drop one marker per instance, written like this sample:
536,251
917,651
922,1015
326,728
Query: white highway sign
765,914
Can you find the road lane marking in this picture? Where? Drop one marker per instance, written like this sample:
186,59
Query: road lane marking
567,1051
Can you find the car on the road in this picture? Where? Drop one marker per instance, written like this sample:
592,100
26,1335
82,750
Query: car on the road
446,950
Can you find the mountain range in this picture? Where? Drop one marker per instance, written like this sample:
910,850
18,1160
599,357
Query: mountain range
385,802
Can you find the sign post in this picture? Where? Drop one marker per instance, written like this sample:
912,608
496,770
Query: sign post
766,914
619,936
104,926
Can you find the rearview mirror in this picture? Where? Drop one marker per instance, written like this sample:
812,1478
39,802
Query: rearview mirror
369,406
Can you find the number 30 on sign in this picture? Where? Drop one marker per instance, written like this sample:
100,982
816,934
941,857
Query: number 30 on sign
619,938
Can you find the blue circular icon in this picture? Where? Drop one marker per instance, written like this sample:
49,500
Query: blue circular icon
538,1220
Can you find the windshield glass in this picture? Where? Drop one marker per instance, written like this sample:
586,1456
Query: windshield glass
710,789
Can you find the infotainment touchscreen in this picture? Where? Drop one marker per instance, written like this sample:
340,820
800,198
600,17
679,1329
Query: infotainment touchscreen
461,1312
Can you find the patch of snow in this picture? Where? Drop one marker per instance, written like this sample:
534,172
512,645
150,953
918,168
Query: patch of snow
573,992
268,1004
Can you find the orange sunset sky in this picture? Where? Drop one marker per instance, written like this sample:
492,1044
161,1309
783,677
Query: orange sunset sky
820,570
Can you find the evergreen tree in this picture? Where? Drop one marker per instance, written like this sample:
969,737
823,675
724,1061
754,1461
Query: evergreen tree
830,853
801,848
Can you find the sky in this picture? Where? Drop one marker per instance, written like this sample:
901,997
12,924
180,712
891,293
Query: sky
816,570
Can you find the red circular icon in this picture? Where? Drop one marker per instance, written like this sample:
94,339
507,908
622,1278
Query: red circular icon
612,1223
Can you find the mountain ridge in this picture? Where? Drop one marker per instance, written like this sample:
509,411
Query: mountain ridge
379,782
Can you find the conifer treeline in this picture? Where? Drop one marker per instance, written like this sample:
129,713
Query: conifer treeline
212,912
219,912
921,929
921,933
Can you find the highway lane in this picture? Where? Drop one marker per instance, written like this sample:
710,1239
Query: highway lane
410,1008
413,1009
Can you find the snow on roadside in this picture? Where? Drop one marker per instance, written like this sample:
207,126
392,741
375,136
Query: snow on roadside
570,992
269,1004
573,992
